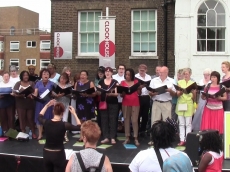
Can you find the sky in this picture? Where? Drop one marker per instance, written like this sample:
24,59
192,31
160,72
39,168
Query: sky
43,7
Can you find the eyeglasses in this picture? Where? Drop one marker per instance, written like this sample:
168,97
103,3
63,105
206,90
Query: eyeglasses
121,68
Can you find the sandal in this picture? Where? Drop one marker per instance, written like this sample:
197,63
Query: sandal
126,141
105,141
136,143
113,141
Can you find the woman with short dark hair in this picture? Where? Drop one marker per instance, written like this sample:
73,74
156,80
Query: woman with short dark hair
53,152
91,134
25,105
44,85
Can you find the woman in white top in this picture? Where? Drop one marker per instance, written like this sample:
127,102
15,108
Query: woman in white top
14,77
7,103
163,135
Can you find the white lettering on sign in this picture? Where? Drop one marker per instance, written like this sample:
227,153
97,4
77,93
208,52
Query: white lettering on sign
106,38
58,46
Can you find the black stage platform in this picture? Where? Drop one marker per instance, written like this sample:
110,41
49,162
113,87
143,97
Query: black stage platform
30,155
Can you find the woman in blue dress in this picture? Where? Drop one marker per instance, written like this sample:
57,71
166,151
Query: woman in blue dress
43,86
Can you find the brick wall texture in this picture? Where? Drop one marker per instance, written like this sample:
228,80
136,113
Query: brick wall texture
64,18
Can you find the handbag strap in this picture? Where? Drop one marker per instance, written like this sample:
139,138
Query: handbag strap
159,157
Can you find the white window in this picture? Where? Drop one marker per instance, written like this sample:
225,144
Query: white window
14,62
1,46
144,33
1,64
31,44
88,27
14,46
45,45
30,62
44,63
211,27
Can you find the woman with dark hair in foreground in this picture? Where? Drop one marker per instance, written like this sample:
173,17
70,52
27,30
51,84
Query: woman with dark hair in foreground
53,152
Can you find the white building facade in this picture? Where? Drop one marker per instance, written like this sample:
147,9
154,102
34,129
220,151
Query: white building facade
202,32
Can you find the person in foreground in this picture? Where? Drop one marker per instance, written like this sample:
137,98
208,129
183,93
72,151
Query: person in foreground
90,157
53,152
212,157
163,136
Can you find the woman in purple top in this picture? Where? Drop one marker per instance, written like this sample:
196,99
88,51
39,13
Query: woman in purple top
225,67
44,85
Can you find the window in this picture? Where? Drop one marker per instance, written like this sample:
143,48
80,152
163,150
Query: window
88,33
30,62
44,64
211,27
14,46
14,62
1,64
31,44
45,45
1,46
144,32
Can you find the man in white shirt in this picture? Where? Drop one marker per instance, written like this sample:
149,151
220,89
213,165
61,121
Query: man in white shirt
14,77
144,99
119,77
53,75
162,102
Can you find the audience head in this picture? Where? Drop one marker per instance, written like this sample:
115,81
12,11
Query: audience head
100,73
84,75
225,67
31,69
142,69
129,74
211,141
6,77
64,78
76,77
207,72
24,76
121,69
67,70
52,68
13,71
108,72
163,134
215,77
45,74
58,109
163,72
187,72
180,75
91,132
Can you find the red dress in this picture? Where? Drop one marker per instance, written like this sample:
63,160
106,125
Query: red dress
216,163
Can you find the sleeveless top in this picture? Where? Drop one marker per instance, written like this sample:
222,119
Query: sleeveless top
90,158
215,164
81,86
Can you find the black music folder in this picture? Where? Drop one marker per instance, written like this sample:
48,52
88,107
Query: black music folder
5,90
226,83
34,78
159,90
44,97
58,90
29,90
200,87
109,89
128,90
188,89
87,91
146,83
218,93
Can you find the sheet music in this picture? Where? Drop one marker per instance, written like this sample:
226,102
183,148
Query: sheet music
44,94
22,135
69,153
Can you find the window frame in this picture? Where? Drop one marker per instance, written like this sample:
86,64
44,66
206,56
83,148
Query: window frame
31,44
15,49
79,35
212,27
1,46
142,54
15,61
42,61
1,64
27,64
45,42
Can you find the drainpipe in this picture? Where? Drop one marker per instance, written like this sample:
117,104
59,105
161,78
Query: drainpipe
165,33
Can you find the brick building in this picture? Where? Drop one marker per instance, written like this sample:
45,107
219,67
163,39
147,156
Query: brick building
21,42
144,30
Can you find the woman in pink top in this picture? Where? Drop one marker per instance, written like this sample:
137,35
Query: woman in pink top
130,106
213,114
212,156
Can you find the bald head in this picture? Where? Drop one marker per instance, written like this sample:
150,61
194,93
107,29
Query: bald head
163,72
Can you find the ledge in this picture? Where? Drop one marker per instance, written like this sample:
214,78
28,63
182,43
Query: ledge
142,57
211,54
86,57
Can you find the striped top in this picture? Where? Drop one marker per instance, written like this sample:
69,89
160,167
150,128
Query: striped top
214,103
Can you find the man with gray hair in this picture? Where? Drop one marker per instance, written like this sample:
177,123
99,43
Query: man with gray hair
14,77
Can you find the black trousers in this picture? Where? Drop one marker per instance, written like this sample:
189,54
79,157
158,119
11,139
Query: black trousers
54,161
144,111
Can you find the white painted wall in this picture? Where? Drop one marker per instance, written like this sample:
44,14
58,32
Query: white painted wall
186,54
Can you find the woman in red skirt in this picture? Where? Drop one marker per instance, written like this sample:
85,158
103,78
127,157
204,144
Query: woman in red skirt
213,114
